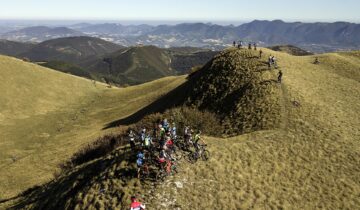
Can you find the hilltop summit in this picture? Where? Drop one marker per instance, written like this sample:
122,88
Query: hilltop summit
235,85
238,88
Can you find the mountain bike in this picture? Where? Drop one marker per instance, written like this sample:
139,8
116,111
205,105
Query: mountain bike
200,153
169,169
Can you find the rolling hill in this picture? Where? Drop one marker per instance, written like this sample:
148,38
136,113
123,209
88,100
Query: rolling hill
134,65
74,50
14,48
294,145
47,115
137,65
292,50
66,68
96,59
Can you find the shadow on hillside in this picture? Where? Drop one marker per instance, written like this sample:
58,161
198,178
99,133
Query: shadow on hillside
174,98
61,193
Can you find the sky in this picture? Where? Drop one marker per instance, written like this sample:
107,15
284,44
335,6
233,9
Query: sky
184,10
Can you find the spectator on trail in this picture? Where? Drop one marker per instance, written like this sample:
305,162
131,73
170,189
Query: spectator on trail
234,44
135,205
255,46
240,44
132,139
260,53
280,74
249,46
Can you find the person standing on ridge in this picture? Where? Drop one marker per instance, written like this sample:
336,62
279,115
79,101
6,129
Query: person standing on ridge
260,53
255,46
234,44
270,61
249,46
135,205
280,74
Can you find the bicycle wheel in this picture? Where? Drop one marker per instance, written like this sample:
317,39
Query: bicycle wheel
205,155
192,157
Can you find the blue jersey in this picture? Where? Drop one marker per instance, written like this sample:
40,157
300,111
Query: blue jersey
139,162
140,155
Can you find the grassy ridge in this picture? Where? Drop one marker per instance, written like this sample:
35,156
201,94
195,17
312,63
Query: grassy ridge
46,116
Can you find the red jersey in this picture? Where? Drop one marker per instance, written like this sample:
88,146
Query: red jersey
137,206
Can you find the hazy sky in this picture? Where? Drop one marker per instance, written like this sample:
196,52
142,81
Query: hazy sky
231,10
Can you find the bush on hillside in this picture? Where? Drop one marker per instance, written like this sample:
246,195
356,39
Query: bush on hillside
183,116
100,147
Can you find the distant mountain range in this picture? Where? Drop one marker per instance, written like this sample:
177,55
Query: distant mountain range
40,33
317,37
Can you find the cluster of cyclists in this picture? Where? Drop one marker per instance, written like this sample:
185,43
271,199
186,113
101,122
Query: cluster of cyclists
159,150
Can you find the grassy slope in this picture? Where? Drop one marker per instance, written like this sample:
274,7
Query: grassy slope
134,65
311,162
46,116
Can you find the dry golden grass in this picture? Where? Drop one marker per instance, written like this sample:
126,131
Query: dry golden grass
46,116
311,161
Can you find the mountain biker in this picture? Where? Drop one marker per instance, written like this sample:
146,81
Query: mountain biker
132,139
173,131
155,128
139,163
198,141
147,141
163,157
135,205
165,124
168,144
143,134
162,132
187,133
